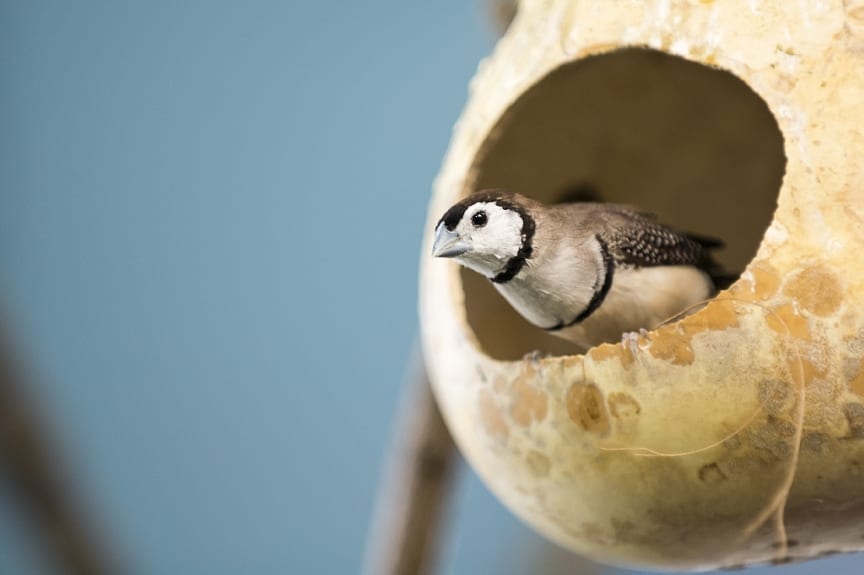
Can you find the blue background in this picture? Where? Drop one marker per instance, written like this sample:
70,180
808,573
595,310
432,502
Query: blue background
210,220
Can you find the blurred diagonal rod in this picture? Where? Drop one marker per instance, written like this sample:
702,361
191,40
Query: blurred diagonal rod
405,533
32,471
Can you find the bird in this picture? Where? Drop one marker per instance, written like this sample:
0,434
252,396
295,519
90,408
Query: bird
589,272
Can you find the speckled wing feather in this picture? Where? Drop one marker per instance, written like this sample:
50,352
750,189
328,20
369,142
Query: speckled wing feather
636,239
650,244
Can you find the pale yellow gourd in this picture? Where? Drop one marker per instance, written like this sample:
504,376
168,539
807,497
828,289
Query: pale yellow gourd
735,435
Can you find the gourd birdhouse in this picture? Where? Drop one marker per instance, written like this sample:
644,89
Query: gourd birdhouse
733,434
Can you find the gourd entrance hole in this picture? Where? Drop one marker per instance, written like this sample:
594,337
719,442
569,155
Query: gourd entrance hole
691,143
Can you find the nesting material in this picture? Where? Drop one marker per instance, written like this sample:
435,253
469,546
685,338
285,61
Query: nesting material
735,435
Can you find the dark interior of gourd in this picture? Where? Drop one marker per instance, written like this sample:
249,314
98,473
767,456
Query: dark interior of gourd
691,143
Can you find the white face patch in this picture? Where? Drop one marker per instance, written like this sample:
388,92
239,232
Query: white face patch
495,235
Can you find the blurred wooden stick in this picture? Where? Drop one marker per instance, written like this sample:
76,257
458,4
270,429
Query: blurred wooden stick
501,13
405,534
32,471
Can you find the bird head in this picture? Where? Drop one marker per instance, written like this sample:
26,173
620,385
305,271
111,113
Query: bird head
484,232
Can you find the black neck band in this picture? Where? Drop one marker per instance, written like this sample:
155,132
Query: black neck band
600,291
517,262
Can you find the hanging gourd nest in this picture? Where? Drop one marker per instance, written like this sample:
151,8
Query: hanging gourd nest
733,433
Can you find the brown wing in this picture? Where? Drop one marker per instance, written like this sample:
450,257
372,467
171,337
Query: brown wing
637,239
647,243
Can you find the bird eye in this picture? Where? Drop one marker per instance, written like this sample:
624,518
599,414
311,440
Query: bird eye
479,219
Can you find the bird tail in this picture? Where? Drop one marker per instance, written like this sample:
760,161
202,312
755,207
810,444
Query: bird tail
722,279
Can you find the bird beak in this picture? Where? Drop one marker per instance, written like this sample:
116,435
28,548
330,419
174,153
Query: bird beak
448,244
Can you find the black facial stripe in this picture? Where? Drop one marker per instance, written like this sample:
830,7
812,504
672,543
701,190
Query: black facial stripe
451,217
600,290
517,262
